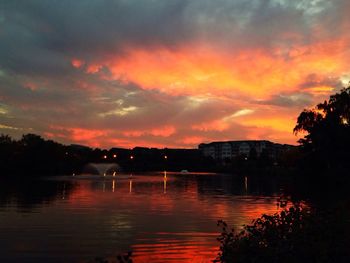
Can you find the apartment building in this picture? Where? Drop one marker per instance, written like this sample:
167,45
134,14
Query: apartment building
230,149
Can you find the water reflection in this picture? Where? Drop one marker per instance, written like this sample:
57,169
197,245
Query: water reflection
28,195
173,247
81,217
64,191
164,185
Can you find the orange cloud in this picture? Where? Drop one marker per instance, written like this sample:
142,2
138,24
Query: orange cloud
93,68
77,63
217,125
78,134
192,140
197,70
133,133
239,77
91,137
321,90
278,123
165,131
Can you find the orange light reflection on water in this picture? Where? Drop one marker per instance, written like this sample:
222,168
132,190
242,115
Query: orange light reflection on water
176,248
170,213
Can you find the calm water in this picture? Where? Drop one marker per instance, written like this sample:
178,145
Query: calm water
172,219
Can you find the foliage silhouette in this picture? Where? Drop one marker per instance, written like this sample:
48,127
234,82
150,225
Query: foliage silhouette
34,156
297,234
327,126
121,258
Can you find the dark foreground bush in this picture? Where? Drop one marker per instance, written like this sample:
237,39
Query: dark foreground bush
121,258
294,235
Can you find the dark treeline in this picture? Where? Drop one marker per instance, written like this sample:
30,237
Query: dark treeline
32,155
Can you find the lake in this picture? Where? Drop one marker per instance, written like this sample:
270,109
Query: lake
161,217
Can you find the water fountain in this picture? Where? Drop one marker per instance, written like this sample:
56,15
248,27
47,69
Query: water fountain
102,169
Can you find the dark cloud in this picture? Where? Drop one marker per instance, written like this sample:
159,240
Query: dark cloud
295,100
39,35
315,80
307,92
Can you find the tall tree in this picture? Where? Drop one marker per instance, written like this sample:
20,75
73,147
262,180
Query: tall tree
327,128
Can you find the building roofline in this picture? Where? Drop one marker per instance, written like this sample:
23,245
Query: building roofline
242,141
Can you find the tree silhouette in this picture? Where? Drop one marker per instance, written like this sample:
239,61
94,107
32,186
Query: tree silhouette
327,139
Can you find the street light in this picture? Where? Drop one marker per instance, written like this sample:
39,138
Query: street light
114,156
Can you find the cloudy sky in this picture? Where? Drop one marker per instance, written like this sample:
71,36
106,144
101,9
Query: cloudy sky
168,73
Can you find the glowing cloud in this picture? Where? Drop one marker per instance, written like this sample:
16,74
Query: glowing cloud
121,112
2,126
252,72
173,73
77,63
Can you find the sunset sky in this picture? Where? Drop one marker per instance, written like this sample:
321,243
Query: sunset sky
122,73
